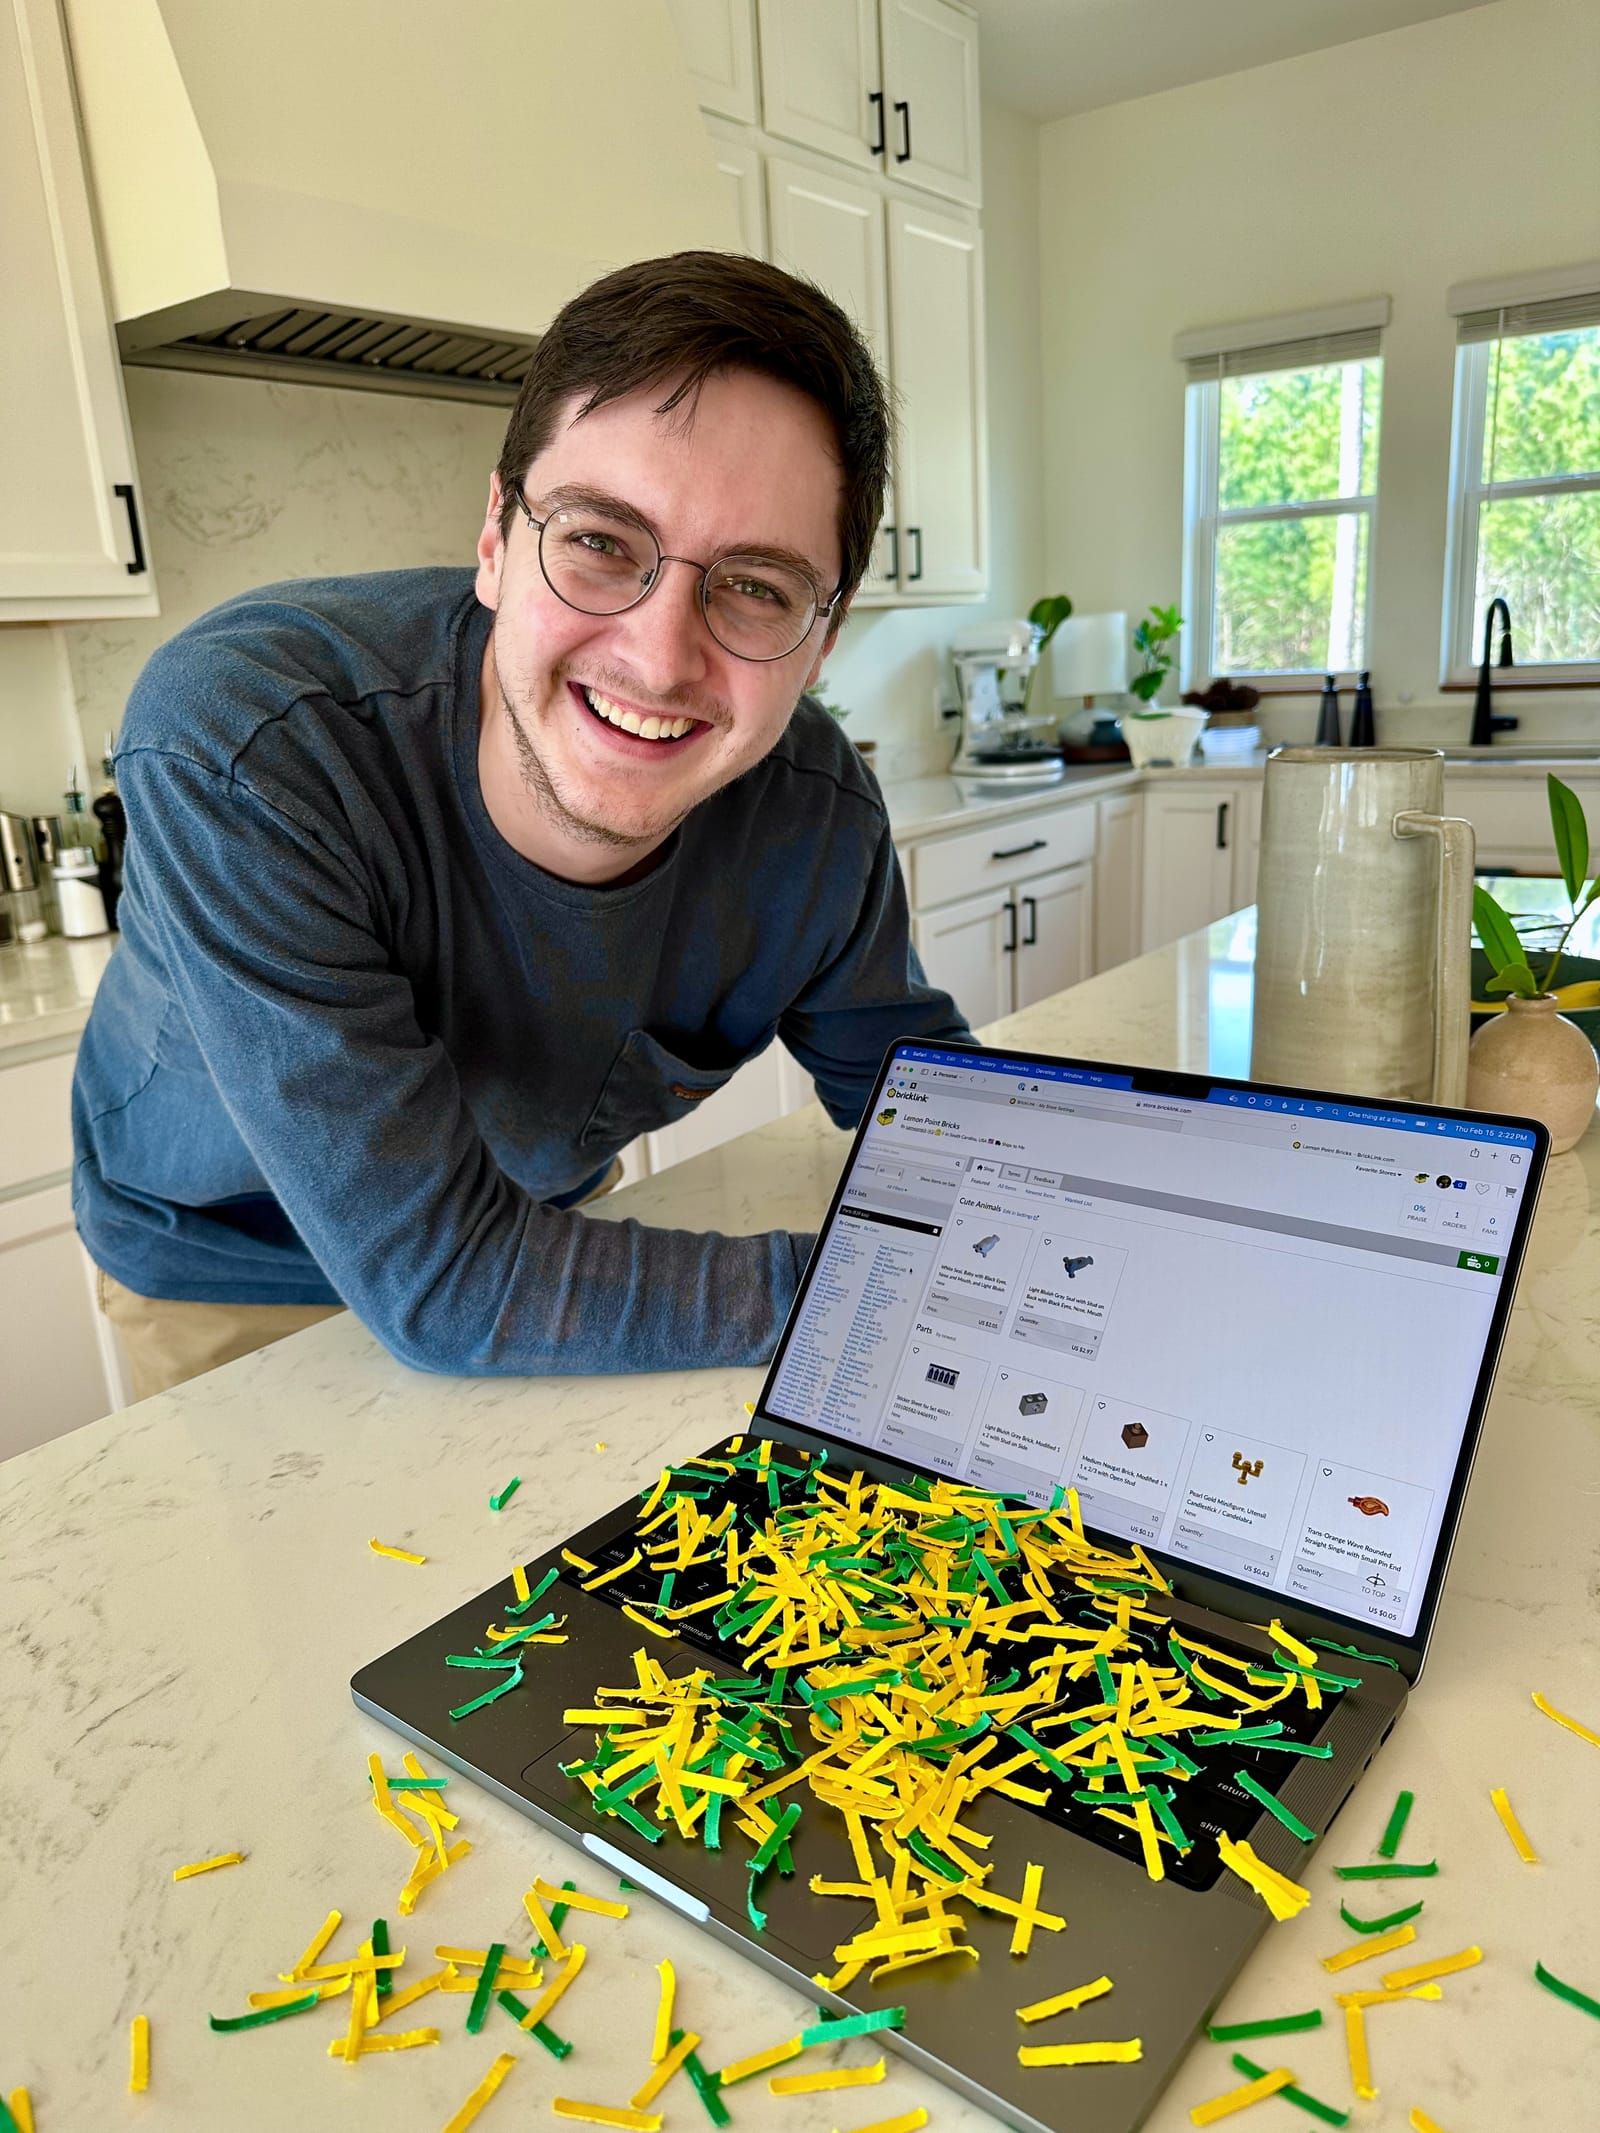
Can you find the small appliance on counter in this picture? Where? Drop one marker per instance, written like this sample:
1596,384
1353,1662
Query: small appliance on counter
1002,741
21,907
1089,658
80,905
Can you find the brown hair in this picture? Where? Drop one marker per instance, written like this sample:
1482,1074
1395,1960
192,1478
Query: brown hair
687,316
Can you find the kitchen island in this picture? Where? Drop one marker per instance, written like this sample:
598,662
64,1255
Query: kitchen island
186,1588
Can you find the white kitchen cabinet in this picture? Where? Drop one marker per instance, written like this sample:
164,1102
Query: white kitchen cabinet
739,166
1116,879
930,71
719,44
1055,933
51,1365
937,313
763,1089
821,77
1511,816
1190,839
966,948
71,544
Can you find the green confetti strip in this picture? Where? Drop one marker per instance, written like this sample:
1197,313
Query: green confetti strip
261,2016
501,1497
1354,1651
1275,1807
1566,1992
477,2013
7,2123
706,2086
1398,1872
1277,2026
535,1592
833,2029
504,1688
557,2047
1379,1925
1298,2097
1297,1747
1389,1842
380,1946
414,1784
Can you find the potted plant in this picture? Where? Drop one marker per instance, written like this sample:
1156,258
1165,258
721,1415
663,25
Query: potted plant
1155,735
1525,1056
1046,616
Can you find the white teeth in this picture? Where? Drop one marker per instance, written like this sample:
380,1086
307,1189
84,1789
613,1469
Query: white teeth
647,729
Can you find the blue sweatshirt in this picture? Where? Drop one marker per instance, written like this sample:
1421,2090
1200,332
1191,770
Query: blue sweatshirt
354,1048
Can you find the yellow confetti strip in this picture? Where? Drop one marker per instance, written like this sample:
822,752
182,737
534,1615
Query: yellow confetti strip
319,1940
1207,2114
1562,1719
539,1918
519,1580
606,2114
138,2055
663,2036
400,2040
907,2122
1362,1951
651,2087
576,1900
481,2094
1355,2039
399,1555
1513,1828
397,2002
1423,1973
1028,1915
22,2110
1387,1999
1422,2123
838,2077
1064,2002
1120,2052
426,1870
206,1866
759,2062
1283,1898
553,1991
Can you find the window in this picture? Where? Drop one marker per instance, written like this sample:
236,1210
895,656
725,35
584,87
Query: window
1525,480
1280,491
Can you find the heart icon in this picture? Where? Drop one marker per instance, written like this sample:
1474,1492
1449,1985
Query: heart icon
1482,1188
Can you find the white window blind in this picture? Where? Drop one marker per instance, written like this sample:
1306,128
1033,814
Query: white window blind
1353,347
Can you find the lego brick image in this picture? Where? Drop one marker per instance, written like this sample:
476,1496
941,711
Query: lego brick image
1350,1555
1075,1267
1127,1465
1027,1425
976,1273
985,1245
1237,1501
934,1403
1067,1294
1033,1403
1135,1436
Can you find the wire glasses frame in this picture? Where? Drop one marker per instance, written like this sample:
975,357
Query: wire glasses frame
760,601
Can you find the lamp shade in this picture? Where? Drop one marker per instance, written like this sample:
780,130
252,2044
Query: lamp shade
1089,655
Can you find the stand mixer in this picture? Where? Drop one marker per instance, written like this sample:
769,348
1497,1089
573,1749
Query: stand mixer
1002,741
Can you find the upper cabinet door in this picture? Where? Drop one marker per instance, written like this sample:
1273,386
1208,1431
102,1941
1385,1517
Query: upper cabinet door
821,81
936,300
740,167
70,543
719,43
930,70
828,227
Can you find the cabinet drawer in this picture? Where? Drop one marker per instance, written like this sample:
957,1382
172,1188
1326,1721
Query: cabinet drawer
35,1119
1006,851
1513,814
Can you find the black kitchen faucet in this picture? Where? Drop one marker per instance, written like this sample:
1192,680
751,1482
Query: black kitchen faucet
1486,721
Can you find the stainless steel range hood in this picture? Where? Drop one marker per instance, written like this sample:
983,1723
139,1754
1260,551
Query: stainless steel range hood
392,194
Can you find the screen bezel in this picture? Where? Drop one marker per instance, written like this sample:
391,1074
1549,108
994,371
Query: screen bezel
1215,1589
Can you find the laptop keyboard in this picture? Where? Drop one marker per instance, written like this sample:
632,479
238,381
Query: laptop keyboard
1206,1803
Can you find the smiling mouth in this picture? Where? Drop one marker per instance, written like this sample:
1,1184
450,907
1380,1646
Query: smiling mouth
664,732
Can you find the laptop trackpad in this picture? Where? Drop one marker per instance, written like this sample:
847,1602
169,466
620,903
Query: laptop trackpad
810,1926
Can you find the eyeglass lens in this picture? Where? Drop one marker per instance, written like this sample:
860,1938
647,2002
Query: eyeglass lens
754,608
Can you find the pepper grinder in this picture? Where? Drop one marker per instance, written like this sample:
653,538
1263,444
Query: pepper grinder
1363,733
1328,715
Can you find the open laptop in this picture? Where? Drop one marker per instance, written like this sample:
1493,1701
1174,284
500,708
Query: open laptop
1255,1329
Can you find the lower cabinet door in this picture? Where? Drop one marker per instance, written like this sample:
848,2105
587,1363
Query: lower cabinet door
52,1374
1055,945
753,1097
969,948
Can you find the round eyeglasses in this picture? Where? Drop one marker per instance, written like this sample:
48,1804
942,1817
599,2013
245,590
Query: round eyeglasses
602,564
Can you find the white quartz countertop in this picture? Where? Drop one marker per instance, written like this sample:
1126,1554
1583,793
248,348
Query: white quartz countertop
186,1588
47,987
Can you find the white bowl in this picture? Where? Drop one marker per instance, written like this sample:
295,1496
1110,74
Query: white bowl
1169,738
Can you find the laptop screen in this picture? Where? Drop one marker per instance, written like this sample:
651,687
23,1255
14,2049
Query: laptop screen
1247,1328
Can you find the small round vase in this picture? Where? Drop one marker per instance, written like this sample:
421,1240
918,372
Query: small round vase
1537,1064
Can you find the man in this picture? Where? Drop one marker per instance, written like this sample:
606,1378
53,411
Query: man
440,890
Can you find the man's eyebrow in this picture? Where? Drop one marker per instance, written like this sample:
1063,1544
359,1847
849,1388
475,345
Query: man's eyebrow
578,496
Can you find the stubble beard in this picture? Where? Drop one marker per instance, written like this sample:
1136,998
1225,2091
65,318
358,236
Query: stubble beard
538,784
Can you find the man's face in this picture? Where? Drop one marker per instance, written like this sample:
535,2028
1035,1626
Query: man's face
756,468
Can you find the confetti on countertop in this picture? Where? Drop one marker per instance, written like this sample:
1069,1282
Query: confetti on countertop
1355,2037
1272,2026
1562,1719
1293,2093
1224,2106
501,1497
1363,1951
399,1555
838,2077
459,2120
1420,2122
139,2055
1394,1829
1552,1983
206,1866
607,2114
1425,1973
907,2122
1513,1828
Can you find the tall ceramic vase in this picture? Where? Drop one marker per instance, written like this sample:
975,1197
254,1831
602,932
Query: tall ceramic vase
1364,933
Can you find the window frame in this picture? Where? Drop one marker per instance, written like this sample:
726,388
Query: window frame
1458,655
1201,519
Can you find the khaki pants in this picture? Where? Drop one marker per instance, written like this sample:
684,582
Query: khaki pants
165,1343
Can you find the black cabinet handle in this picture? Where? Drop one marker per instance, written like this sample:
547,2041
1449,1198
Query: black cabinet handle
894,558
875,96
1222,825
1030,904
1011,929
1017,851
903,155
124,489
914,533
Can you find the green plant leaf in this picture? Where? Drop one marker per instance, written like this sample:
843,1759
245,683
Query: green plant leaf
1571,833
1048,614
1145,686
1517,978
1496,932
